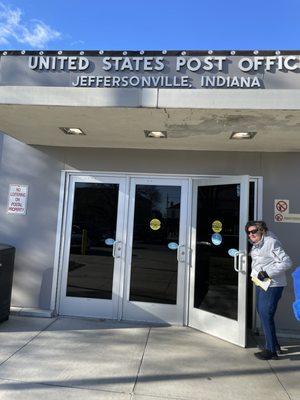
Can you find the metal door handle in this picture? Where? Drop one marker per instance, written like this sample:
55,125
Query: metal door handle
181,253
236,261
117,247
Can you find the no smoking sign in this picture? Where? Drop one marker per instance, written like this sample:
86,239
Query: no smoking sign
281,209
281,206
282,212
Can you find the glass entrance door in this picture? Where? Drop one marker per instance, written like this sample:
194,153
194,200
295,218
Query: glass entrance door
94,247
156,250
218,279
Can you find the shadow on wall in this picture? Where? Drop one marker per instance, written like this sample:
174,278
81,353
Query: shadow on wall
46,287
32,234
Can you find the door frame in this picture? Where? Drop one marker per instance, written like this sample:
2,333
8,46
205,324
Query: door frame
62,217
157,312
98,307
232,330
258,215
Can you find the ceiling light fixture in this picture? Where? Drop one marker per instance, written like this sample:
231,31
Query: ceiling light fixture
156,134
242,135
72,131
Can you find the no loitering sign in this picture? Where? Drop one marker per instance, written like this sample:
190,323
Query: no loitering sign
17,199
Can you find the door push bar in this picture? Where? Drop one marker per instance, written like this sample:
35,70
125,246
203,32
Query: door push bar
181,253
117,247
237,261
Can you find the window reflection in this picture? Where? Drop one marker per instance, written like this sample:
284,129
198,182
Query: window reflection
154,265
216,281
94,220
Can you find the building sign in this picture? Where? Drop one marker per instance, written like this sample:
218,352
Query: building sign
282,212
117,70
17,199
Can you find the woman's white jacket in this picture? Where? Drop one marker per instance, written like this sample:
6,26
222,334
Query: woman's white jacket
268,255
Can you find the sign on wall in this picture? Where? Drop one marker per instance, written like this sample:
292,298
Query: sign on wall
17,199
151,70
282,212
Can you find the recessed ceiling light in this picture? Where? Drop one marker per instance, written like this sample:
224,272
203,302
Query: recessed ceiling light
72,131
156,134
242,135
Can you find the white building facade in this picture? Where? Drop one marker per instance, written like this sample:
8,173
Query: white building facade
126,193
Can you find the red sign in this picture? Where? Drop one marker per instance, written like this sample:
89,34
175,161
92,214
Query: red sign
281,206
278,217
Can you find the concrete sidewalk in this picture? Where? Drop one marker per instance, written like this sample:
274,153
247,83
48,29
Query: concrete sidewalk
68,358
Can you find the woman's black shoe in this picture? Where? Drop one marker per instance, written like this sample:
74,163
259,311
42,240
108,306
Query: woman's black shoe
278,349
266,355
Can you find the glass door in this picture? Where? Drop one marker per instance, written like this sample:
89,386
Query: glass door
218,279
94,247
156,250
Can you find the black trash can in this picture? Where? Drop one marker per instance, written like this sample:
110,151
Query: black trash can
7,257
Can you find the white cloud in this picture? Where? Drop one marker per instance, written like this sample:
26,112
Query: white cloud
77,43
34,33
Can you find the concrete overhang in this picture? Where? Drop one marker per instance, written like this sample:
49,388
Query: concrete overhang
116,118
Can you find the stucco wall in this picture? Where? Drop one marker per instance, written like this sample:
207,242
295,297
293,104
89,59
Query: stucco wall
34,234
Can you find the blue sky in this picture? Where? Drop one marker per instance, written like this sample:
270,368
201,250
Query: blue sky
149,25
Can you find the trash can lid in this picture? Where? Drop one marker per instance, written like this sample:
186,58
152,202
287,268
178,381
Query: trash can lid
5,246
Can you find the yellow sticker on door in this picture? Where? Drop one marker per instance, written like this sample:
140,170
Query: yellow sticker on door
155,224
217,226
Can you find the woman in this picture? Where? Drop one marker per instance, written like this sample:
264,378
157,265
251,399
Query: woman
269,261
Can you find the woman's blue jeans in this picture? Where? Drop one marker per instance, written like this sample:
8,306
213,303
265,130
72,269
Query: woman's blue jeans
266,305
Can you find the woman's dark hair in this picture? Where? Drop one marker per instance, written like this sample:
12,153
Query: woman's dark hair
261,225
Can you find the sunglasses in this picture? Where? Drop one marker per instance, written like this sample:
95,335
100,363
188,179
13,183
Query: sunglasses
253,232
